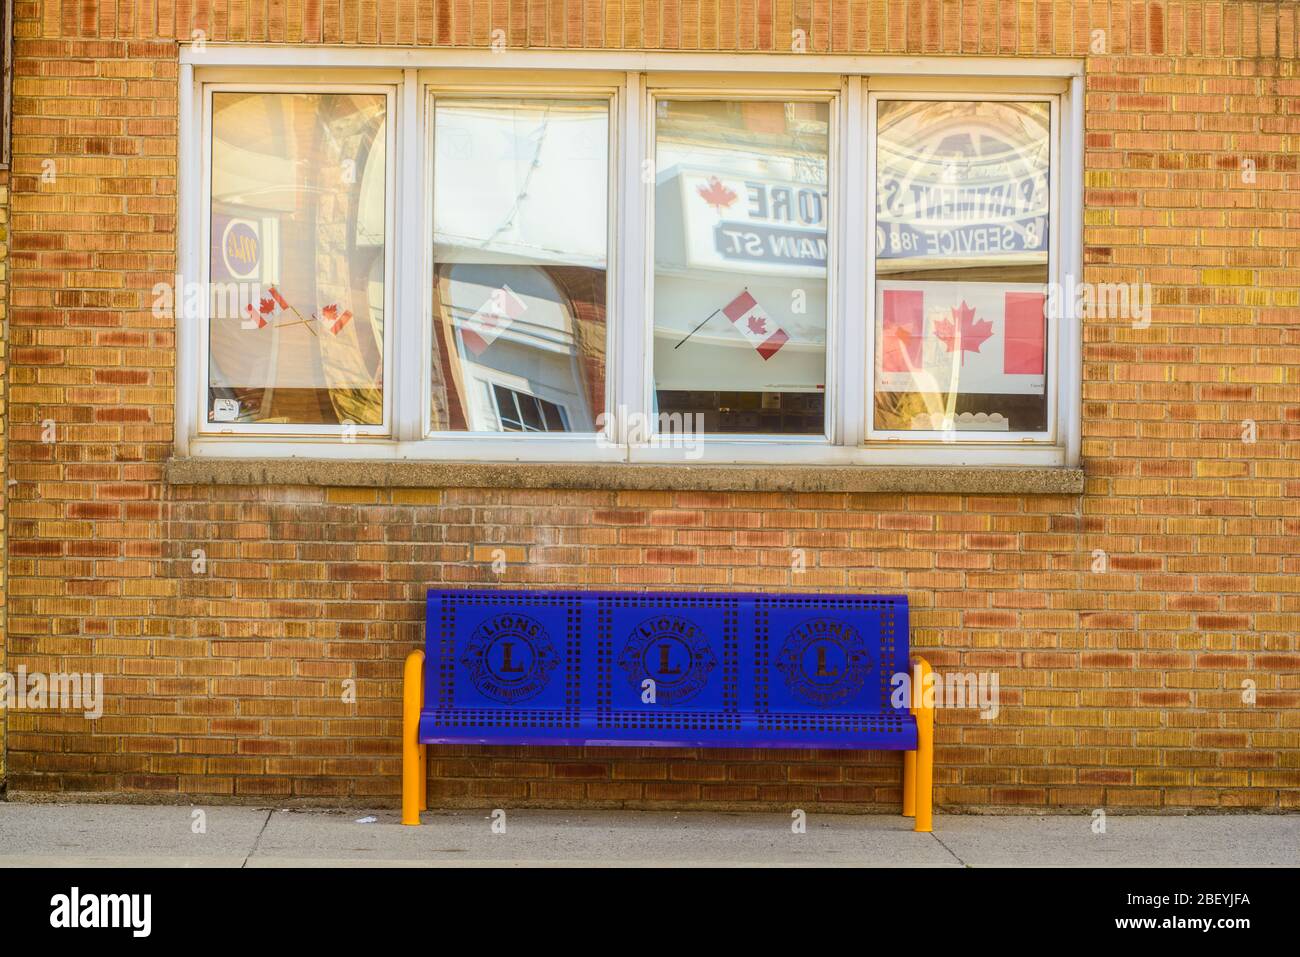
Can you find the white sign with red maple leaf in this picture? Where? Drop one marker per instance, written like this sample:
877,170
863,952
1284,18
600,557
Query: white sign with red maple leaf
968,337
733,220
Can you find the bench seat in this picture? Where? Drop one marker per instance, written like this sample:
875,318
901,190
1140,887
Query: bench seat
636,669
848,732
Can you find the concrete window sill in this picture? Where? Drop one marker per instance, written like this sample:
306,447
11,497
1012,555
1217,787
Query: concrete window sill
981,480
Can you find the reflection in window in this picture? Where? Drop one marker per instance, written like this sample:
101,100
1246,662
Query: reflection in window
741,209
961,268
297,259
521,412
520,235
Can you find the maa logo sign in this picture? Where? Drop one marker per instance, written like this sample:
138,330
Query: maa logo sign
244,248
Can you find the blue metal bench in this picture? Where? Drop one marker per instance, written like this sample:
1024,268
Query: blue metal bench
631,669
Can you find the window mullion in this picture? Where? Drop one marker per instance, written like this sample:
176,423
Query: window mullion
856,245
1069,234
407,336
188,328
630,337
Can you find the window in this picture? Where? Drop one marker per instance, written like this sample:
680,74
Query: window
740,247
962,217
796,266
521,412
297,267
6,79
520,227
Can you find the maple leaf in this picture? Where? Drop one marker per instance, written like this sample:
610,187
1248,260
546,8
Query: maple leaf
265,306
336,321
715,194
967,335
757,324
330,316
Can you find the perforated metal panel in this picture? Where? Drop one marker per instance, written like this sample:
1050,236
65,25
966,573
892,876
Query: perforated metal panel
670,669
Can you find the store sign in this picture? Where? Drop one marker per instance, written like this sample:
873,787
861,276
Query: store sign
960,187
955,337
243,249
759,225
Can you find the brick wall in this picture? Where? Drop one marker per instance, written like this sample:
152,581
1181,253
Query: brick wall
1120,688
4,419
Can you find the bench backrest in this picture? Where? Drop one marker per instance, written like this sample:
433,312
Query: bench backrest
630,666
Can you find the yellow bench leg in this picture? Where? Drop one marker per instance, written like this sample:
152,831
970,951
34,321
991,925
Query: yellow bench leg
923,758
414,760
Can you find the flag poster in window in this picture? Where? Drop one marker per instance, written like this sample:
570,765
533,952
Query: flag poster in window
961,337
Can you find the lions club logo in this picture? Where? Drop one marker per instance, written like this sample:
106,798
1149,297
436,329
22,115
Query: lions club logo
673,652
824,662
509,658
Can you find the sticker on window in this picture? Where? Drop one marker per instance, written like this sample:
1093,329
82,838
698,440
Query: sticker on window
225,410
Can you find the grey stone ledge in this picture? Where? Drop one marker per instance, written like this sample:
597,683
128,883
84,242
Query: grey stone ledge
406,473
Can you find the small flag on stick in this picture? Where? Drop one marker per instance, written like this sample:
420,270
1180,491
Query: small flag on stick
269,307
333,319
755,325
273,306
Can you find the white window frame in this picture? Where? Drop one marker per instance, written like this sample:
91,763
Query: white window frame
992,93
392,122
567,446
722,448
632,80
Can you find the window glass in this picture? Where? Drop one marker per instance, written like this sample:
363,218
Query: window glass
296,331
962,266
520,228
741,209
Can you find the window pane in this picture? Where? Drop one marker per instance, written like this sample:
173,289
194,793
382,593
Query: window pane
520,234
741,208
961,268
297,258
554,420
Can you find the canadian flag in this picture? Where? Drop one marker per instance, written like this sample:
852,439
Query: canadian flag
755,325
333,319
1011,324
492,318
268,307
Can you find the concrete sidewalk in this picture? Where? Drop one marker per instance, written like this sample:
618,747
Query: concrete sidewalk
161,836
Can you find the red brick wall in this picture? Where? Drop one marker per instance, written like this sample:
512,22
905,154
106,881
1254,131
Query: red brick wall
4,416
1120,689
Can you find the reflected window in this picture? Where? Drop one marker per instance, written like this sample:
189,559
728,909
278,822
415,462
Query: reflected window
297,263
741,212
962,265
520,236
521,412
